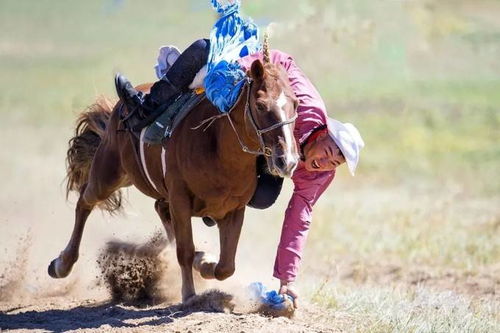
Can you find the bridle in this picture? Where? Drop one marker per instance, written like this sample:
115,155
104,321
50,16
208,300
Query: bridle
263,150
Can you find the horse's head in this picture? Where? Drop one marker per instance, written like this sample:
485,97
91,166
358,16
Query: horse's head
273,108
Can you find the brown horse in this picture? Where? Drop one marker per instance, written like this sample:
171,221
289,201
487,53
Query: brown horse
207,170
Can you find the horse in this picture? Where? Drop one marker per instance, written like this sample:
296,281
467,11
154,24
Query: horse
208,167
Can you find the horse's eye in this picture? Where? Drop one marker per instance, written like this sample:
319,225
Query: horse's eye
260,107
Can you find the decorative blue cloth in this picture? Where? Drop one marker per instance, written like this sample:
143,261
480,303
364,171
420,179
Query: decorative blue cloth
231,38
270,298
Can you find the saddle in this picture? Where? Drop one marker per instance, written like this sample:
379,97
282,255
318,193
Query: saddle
177,111
167,117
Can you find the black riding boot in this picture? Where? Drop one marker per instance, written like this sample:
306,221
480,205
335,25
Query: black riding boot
160,93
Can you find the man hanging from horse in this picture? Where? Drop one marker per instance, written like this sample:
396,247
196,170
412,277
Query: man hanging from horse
323,142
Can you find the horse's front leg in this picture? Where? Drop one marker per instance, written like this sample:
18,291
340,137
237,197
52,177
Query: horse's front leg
229,234
180,211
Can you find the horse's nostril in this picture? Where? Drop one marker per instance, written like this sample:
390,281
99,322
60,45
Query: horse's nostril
280,162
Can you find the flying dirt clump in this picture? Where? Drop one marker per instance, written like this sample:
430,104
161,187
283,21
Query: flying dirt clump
133,273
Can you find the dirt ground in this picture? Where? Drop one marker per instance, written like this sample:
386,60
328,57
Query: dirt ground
136,290
209,312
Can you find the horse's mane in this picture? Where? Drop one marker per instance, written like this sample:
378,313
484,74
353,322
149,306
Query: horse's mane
265,48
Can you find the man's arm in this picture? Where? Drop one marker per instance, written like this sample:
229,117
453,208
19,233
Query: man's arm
308,188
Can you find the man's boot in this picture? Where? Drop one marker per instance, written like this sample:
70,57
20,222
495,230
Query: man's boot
132,98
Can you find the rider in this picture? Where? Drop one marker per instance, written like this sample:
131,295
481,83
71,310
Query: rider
324,144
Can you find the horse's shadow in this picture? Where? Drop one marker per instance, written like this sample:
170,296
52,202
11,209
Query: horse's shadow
110,314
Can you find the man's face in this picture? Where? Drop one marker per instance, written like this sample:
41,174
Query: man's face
322,154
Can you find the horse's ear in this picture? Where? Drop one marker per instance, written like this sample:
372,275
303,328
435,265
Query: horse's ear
257,70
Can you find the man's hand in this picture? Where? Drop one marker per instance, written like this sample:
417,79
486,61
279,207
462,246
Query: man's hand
287,288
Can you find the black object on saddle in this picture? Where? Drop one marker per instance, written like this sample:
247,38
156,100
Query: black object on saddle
268,187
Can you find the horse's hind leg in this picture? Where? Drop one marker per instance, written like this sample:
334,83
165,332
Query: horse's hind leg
163,210
106,176
61,266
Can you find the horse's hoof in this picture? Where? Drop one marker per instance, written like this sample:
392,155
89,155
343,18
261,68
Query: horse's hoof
205,264
201,258
52,269
188,298
54,272
198,257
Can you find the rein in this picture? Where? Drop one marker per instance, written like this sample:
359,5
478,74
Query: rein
263,150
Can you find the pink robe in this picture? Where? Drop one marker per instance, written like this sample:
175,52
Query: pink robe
308,186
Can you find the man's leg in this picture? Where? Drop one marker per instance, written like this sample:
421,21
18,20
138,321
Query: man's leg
180,75
189,63
178,78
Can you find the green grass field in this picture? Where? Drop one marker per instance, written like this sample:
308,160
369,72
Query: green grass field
412,243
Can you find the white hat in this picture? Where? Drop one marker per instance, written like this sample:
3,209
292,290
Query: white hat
348,139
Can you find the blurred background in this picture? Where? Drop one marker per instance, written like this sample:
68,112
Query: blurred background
413,239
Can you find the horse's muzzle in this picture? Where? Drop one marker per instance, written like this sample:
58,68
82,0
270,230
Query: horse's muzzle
284,165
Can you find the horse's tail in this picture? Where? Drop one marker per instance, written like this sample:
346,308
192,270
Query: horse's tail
90,128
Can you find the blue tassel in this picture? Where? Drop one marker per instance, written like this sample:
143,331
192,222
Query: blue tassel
231,38
227,8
